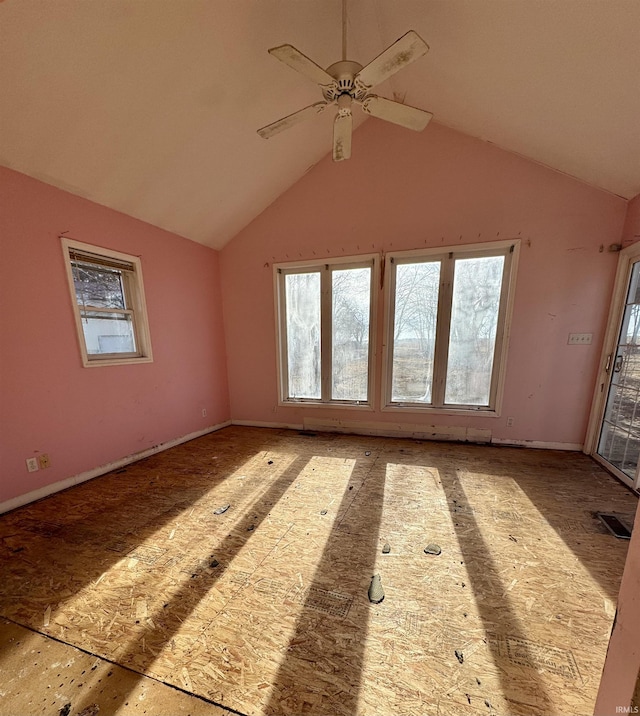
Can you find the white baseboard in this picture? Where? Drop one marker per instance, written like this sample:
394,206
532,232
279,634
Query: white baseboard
538,444
47,490
418,431
260,424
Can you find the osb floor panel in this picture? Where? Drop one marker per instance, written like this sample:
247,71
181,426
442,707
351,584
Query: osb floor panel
44,676
263,609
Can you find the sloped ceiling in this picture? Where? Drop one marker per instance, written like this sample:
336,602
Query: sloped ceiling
151,107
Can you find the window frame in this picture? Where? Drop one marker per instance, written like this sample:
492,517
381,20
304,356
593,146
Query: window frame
325,268
447,255
135,305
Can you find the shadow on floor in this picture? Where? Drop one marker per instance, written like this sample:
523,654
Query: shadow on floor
163,624
321,670
492,601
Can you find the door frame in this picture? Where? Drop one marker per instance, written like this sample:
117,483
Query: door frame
627,258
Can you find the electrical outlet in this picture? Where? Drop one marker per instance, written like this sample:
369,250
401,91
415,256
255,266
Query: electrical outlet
204,412
32,464
43,461
580,339
509,422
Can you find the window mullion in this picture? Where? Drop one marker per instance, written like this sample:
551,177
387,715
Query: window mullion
128,278
373,306
87,308
500,329
389,271
325,333
441,353
284,348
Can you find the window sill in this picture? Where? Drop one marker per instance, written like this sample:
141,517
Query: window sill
414,408
330,406
116,361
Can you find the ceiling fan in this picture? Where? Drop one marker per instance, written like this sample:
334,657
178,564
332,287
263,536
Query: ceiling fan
346,82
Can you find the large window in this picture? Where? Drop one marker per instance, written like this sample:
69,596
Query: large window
447,318
108,300
325,329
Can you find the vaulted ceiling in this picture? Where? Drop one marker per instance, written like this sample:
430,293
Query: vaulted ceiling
151,107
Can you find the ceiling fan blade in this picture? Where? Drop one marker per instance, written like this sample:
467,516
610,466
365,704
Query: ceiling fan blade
342,127
403,51
402,114
301,63
291,119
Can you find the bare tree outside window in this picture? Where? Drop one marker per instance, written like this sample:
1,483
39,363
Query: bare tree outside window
325,317
446,326
302,297
97,288
351,298
477,286
414,332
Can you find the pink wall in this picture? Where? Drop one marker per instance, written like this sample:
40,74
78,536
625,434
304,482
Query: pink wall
87,417
401,190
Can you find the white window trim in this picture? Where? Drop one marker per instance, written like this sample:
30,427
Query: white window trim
502,335
136,296
279,269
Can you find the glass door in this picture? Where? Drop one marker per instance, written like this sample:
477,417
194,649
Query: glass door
619,440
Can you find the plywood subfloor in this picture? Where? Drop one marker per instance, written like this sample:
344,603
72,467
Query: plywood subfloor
43,676
263,609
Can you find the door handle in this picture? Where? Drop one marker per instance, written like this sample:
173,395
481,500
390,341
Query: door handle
617,366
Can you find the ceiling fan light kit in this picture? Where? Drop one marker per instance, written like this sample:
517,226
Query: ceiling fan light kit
346,82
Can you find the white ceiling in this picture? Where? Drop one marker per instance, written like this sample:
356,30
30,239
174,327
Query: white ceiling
150,106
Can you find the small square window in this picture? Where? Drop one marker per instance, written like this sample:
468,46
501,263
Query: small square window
108,300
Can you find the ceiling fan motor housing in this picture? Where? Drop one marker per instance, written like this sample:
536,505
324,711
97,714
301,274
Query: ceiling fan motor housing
343,72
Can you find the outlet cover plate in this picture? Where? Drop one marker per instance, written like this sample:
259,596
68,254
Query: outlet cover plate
580,339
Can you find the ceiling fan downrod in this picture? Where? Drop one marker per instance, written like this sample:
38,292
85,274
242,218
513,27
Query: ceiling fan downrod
344,29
